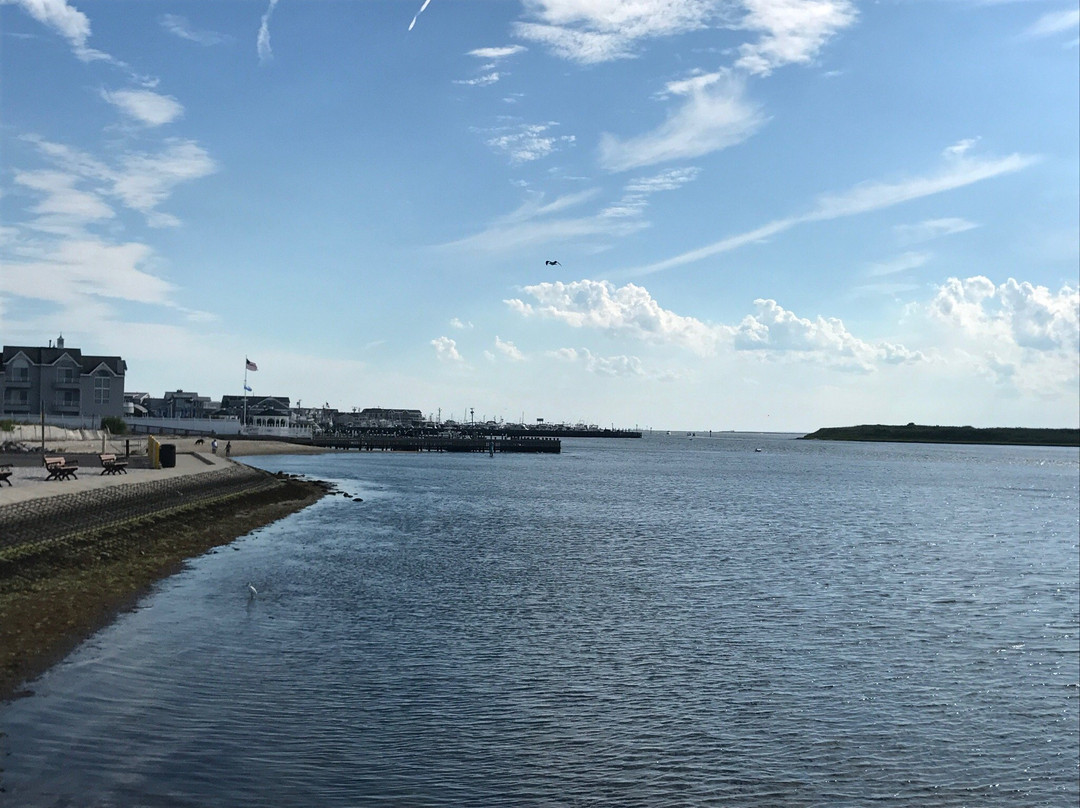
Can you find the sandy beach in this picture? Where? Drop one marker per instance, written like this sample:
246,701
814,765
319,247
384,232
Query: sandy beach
73,554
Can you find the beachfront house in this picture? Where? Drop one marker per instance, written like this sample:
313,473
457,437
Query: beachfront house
66,385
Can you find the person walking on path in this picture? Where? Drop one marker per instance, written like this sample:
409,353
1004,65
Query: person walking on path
228,448
213,446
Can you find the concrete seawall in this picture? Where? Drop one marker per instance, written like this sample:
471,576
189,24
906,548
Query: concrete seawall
44,520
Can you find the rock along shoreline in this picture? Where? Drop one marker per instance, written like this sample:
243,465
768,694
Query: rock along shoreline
70,563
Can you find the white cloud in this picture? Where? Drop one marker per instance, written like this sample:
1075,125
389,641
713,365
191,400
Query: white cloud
446,349
262,42
72,271
1014,313
509,350
621,365
1021,335
933,228
628,310
179,26
456,323
715,115
793,31
535,224
66,20
1054,22
62,200
479,81
773,328
147,180
901,263
527,142
142,181
636,194
593,31
958,172
145,106
494,54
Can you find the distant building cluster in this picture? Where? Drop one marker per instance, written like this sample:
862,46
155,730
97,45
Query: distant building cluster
62,383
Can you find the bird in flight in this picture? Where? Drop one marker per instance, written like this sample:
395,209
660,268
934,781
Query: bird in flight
552,264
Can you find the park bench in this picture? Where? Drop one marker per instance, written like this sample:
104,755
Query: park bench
5,474
59,468
110,465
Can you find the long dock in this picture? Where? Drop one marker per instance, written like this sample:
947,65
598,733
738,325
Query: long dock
438,443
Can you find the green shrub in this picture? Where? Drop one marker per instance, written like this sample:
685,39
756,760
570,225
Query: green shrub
7,425
115,425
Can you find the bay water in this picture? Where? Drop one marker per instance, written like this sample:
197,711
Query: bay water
736,619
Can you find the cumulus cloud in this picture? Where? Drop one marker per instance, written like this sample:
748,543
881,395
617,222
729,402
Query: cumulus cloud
714,116
593,31
1019,334
459,324
621,365
773,328
1018,313
792,31
146,107
628,310
509,350
446,349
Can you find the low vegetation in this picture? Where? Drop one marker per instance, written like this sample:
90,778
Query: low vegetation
914,433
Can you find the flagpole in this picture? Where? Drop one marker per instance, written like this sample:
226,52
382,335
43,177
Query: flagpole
244,425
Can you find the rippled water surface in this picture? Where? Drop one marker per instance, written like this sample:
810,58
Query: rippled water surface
656,622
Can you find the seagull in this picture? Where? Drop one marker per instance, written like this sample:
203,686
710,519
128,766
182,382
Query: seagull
552,264
254,591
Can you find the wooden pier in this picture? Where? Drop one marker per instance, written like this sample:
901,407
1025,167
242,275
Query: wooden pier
438,443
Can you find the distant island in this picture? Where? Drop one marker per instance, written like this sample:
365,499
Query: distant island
915,433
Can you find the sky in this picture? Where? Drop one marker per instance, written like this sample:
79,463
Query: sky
767,215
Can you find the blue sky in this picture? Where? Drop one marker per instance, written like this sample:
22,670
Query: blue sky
767,214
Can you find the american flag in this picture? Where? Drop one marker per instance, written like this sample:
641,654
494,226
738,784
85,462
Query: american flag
251,365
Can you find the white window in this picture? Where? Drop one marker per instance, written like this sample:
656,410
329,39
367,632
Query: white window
102,387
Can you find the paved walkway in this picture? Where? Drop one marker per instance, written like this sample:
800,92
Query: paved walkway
28,482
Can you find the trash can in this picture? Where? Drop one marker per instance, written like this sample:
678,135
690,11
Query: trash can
167,455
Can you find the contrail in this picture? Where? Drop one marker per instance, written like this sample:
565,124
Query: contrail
421,11
263,42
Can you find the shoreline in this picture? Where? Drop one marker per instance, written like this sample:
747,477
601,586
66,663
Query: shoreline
72,563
